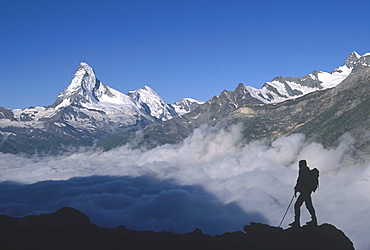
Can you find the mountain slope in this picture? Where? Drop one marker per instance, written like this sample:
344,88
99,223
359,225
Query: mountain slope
324,115
88,111
84,112
284,88
153,103
186,105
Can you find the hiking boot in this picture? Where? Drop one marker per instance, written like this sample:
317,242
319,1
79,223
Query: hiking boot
295,224
313,222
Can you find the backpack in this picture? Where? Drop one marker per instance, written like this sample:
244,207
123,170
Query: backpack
314,179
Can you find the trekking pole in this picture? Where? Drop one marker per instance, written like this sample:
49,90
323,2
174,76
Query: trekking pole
290,203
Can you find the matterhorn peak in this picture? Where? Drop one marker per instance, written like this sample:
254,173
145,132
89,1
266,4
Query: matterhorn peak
84,65
85,77
84,84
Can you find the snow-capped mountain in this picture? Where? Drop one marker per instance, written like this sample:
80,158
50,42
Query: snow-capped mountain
219,108
153,103
87,103
283,88
88,111
186,105
85,90
85,111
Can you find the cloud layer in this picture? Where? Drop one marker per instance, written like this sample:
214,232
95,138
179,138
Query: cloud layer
213,180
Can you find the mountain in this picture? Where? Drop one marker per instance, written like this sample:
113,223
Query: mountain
84,112
186,105
88,112
153,103
94,108
283,88
69,228
324,115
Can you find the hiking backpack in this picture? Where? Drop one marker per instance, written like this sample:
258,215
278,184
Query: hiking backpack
314,179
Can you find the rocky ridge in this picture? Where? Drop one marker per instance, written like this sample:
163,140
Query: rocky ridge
68,228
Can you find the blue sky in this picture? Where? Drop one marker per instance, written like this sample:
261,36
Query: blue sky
179,48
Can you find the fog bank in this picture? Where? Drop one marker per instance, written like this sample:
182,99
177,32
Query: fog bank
213,179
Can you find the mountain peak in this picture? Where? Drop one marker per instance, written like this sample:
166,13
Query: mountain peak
152,103
186,105
147,88
352,59
354,53
83,84
84,65
355,62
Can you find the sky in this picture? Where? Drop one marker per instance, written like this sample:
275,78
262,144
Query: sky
180,48
213,180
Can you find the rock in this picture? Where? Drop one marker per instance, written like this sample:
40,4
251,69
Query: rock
197,231
68,214
325,236
68,228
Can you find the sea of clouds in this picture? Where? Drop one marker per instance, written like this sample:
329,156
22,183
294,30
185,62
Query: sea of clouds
214,180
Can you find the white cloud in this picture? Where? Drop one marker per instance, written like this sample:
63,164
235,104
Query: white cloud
212,178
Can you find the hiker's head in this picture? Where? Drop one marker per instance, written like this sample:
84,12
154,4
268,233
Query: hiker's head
302,164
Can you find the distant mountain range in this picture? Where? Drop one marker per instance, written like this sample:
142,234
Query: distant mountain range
323,115
88,112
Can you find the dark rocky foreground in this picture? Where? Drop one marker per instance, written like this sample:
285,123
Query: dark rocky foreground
68,228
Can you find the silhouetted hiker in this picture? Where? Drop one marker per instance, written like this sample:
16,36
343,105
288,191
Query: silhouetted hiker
306,183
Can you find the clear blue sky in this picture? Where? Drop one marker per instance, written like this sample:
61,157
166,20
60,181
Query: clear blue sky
180,48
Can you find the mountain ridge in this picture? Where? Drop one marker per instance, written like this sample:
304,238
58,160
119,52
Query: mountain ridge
323,115
87,111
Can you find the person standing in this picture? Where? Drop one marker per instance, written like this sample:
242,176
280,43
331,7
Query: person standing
306,184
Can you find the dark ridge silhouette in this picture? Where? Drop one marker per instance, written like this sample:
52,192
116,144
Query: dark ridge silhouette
68,228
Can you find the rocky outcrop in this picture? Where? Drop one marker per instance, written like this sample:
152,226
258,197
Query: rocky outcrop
68,228
325,236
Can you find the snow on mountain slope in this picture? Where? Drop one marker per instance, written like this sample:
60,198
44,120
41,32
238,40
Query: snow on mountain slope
86,104
186,105
87,91
89,106
283,88
87,110
153,103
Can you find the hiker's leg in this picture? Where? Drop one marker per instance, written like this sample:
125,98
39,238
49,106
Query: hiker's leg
297,207
310,208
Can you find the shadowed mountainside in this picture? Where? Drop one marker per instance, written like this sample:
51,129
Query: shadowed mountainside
68,228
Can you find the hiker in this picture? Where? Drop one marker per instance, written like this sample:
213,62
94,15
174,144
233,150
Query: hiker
306,183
